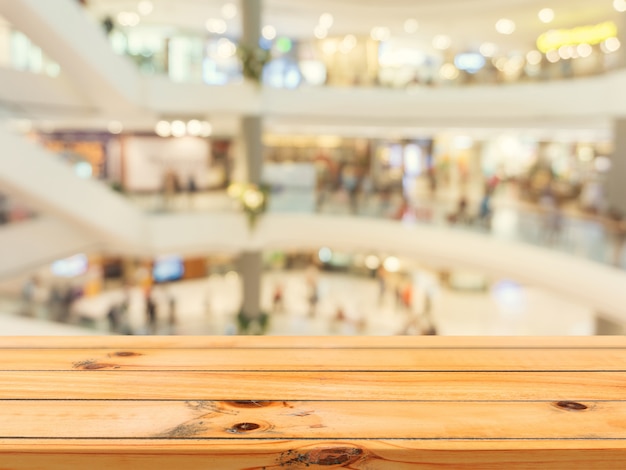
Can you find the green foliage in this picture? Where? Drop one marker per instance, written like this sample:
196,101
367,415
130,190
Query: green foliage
253,60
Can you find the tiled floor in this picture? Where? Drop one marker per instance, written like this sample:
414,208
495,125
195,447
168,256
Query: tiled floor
209,306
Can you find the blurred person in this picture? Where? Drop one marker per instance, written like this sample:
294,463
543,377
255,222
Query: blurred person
191,190
552,216
616,228
484,210
113,317
29,296
172,315
151,313
277,299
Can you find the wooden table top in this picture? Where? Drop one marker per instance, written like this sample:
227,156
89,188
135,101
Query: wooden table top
261,403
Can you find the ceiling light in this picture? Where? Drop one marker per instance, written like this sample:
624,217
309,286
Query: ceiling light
226,48
565,52
268,32
448,72
320,32
145,7
534,57
380,33
442,42
610,45
216,25
619,5
411,25
392,264
163,129
326,20
584,50
488,49
128,18
372,262
115,127
347,44
206,129
553,56
546,15
229,11
178,128
505,26
194,127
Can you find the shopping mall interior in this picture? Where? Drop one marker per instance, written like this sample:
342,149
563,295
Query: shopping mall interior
284,167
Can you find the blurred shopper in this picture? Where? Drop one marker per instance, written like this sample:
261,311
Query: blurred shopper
484,210
29,296
616,227
277,299
113,317
552,216
151,314
191,190
172,319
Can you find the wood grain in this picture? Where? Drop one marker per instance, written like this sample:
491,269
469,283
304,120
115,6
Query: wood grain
280,386
315,420
251,403
309,359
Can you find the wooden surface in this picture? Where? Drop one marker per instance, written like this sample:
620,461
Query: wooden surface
261,403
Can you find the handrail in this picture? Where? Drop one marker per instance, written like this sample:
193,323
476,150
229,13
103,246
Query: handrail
270,403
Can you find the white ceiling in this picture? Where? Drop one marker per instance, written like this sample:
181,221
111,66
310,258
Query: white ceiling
467,22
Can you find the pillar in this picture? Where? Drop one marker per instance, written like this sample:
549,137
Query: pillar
251,142
615,188
250,268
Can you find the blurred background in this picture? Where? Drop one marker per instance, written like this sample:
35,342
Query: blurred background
285,167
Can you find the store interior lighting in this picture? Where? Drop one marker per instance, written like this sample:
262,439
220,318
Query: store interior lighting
179,128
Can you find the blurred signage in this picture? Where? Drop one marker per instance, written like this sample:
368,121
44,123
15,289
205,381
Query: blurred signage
593,34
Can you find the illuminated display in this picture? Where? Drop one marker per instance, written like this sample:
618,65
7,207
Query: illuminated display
593,34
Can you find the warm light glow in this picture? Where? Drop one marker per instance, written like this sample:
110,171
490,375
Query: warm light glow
594,34
411,25
488,49
380,33
252,198
505,26
553,56
392,264
128,18
546,15
320,33
194,127
372,262
449,72
329,47
145,7
347,44
216,25
533,57
610,45
115,127
268,32
229,11
619,5
584,50
226,48
442,42
565,52
163,129
178,128
326,20
206,129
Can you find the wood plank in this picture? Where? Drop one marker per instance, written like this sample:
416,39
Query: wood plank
289,342
295,455
222,359
106,384
101,419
